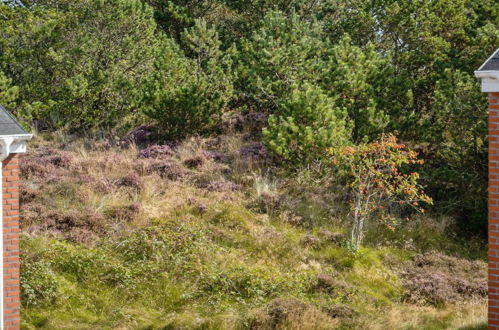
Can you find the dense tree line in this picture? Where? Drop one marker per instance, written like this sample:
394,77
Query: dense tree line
327,73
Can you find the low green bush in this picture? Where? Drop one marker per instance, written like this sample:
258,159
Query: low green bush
160,243
187,95
305,125
39,282
284,51
72,260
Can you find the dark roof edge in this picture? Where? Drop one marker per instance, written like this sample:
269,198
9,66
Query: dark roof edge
496,52
14,121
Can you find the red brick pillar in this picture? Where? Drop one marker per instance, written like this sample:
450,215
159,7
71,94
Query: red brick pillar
493,210
11,263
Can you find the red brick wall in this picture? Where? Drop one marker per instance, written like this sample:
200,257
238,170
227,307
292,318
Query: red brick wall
493,210
11,242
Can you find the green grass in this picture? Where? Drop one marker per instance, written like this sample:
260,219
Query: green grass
177,265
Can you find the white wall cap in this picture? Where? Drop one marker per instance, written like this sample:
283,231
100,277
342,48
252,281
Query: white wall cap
490,80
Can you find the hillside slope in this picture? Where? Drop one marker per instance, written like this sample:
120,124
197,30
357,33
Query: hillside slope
208,235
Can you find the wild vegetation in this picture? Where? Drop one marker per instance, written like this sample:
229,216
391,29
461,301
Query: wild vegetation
251,164
202,235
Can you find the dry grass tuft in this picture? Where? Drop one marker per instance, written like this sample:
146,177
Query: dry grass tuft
293,314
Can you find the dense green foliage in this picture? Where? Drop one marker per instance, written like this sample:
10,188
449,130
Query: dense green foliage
79,64
282,52
326,73
8,93
187,95
305,125
241,206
